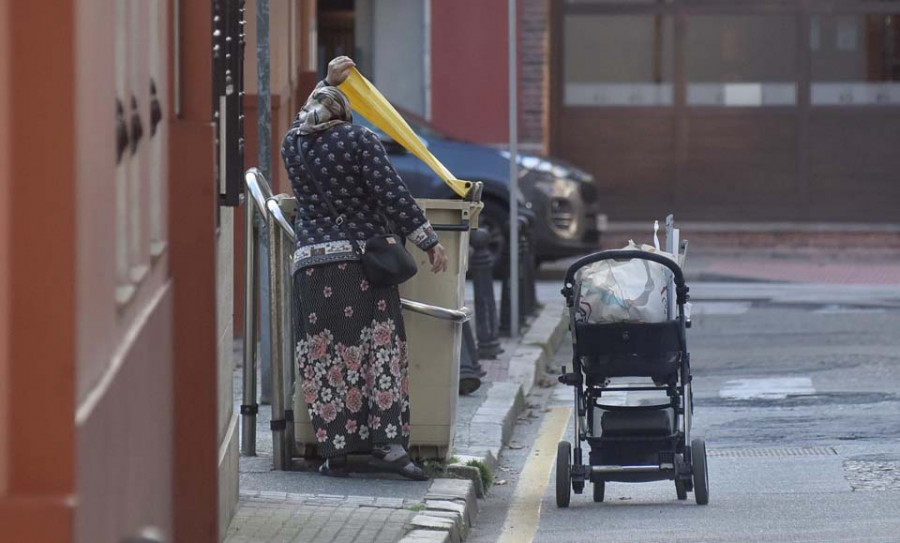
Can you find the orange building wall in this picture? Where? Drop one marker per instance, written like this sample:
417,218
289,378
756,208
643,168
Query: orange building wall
138,376
192,262
37,502
5,227
108,412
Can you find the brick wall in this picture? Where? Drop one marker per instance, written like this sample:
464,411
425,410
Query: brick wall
534,56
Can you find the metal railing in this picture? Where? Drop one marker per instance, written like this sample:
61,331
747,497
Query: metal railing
265,210
258,191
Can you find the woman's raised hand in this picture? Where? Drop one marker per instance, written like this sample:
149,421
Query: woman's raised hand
438,257
339,70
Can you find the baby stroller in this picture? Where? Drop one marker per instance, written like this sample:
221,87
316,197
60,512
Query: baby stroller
637,443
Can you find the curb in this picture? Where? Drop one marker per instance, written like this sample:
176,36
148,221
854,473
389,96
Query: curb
450,504
450,511
547,333
493,423
495,419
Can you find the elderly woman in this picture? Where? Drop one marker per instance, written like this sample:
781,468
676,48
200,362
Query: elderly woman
351,348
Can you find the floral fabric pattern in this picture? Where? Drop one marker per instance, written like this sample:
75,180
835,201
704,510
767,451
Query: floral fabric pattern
352,359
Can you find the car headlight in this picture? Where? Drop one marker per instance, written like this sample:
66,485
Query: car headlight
538,164
563,205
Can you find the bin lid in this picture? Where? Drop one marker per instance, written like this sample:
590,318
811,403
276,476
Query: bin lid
472,208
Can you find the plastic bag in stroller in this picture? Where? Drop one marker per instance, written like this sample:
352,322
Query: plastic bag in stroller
632,290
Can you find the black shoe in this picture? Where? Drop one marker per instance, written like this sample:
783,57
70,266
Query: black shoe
335,467
403,465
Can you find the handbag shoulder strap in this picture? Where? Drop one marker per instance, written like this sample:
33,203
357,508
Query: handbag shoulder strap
337,217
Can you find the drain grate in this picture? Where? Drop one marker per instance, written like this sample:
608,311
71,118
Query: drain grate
869,475
772,452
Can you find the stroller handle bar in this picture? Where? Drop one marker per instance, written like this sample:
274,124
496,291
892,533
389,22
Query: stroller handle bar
681,290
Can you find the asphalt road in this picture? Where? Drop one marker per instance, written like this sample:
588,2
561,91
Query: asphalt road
797,393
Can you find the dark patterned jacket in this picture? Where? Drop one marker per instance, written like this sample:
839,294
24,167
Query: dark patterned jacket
363,186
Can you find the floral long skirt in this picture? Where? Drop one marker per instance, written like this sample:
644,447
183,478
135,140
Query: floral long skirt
352,357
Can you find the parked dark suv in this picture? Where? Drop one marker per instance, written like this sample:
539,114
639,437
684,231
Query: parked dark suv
562,198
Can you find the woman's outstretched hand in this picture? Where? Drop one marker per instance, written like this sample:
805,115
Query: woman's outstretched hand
438,257
339,70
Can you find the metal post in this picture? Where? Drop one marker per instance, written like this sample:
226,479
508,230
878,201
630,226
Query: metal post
671,248
531,264
265,324
481,270
505,330
276,340
264,158
287,343
470,371
249,407
526,305
264,112
513,174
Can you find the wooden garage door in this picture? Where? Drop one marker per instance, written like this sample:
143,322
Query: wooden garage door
729,111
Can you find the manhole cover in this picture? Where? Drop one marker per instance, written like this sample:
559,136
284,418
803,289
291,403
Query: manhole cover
872,475
772,452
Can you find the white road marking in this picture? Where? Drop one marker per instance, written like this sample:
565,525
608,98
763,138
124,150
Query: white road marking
844,310
719,308
774,388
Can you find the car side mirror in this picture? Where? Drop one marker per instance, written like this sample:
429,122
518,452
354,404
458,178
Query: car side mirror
391,146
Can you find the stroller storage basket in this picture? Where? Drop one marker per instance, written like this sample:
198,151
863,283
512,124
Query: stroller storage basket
629,350
657,421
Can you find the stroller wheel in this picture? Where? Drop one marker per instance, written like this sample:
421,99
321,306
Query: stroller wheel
701,480
578,487
599,491
680,489
563,473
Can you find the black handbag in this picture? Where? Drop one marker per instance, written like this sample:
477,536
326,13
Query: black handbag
385,261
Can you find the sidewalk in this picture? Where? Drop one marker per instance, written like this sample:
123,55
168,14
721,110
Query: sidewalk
282,517
301,506
826,267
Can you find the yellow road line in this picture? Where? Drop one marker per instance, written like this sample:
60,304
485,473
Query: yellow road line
525,510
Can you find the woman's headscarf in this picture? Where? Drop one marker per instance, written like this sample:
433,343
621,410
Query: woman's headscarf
326,107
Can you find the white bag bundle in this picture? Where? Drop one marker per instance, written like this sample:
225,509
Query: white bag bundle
624,291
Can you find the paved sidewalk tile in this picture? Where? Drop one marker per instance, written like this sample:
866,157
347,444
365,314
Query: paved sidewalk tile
810,271
497,370
264,517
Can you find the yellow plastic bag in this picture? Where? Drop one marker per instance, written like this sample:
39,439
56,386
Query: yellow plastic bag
371,104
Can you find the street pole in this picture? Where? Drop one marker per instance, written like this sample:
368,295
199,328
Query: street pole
264,113
264,159
513,178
